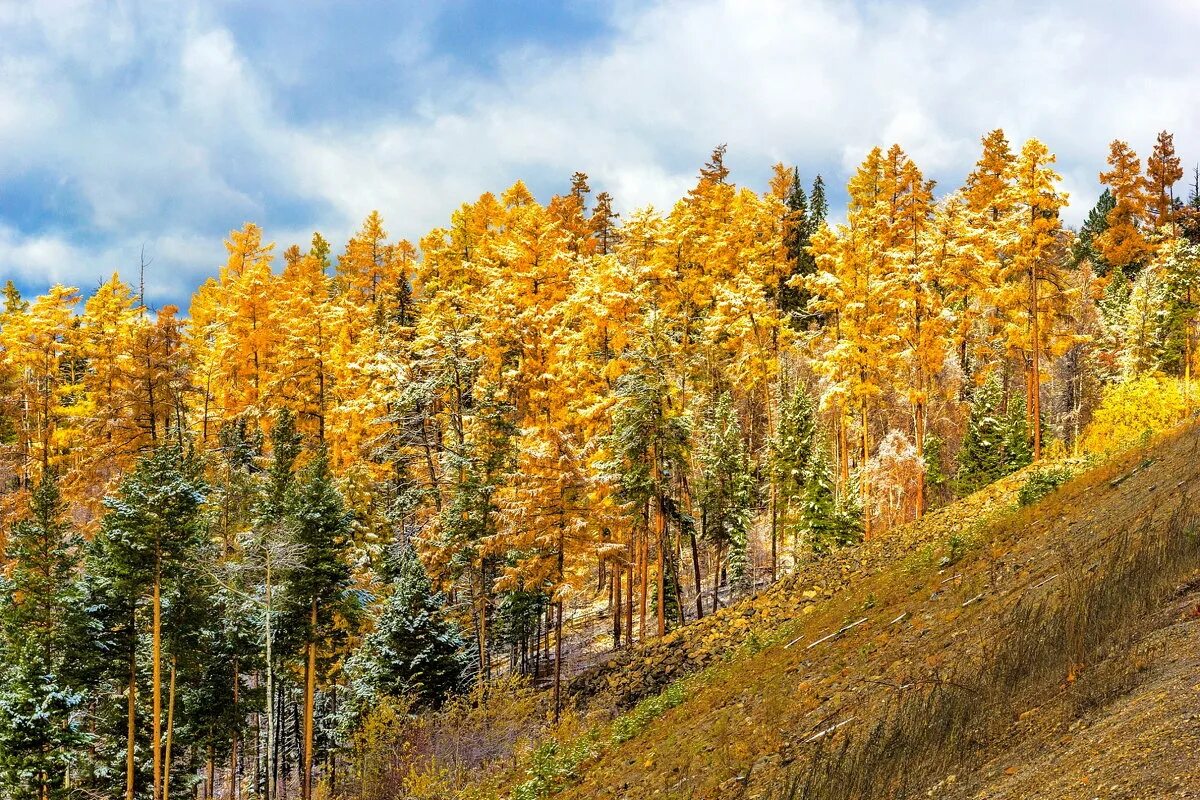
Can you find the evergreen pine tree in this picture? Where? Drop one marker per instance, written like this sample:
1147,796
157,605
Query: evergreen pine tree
649,444
316,597
1182,272
413,650
1018,447
39,696
793,294
995,443
269,553
818,206
806,215
516,624
149,541
981,456
827,520
725,487
936,479
1096,223
791,450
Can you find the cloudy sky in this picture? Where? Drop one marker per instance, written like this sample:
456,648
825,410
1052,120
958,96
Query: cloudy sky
130,124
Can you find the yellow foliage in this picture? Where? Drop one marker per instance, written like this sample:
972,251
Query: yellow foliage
1140,407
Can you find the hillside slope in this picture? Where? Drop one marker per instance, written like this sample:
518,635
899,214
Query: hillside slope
985,652
1140,744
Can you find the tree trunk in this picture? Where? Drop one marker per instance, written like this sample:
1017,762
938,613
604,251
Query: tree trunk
843,448
716,585
615,582
660,535
166,786
676,560
333,763
484,666
696,574
920,437
537,645
233,748
774,531
557,660
270,686
156,687
866,455
210,788
279,776
629,606
130,764
310,691
1036,382
644,580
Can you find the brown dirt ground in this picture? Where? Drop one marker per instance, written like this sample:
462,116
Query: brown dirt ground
1141,745
929,595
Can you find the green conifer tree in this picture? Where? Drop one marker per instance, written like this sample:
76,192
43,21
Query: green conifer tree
413,650
724,489
40,738
1096,223
828,521
791,450
316,598
148,544
996,443
792,292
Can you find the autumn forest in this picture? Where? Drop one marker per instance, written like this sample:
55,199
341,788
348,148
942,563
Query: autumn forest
351,478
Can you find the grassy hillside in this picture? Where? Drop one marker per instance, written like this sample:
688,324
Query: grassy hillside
963,652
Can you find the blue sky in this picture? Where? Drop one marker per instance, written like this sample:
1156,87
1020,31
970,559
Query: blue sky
128,123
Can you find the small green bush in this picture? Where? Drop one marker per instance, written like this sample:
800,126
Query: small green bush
556,765
1042,482
646,711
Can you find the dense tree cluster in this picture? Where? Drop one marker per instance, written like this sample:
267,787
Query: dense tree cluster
395,471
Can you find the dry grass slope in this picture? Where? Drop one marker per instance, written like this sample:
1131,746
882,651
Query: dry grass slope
920,662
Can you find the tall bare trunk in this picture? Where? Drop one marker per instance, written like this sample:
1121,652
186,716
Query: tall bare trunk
131,725
774,531
558,609
643,580
843,450
865,488
210,788
696,574
166,785
270,685
659,536
629,605
233,748
485,668
920,436
1035,385
156,688
615,581
310,691
716,582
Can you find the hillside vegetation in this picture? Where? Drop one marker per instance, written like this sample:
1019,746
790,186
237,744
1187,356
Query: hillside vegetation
418,519
990,650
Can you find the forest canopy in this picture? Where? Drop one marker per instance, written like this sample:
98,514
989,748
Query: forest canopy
396,470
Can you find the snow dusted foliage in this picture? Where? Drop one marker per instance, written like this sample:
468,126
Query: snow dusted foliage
1144,323
893,474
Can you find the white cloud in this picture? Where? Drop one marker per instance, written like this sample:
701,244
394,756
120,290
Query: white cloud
169,147
36,258
815,83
